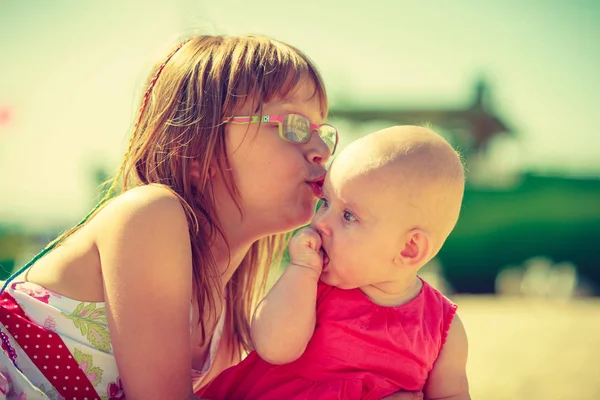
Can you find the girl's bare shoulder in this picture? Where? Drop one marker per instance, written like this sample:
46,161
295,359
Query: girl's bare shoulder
140,211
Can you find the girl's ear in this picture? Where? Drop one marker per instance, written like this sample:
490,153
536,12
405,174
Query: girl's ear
195,170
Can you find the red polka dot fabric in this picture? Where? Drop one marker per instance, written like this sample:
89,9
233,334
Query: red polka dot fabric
47,351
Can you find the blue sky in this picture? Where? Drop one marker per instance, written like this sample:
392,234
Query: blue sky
71,74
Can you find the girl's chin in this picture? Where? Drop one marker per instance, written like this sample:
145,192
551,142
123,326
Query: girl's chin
290,221
304,217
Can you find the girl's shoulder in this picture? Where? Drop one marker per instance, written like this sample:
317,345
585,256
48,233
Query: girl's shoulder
146,202
156,196
144,210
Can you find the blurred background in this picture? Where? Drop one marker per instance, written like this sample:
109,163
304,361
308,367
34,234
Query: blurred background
515,86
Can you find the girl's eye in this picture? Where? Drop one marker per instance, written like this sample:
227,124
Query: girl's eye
324,203
348,217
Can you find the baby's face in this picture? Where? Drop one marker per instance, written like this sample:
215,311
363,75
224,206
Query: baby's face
390,200
360,223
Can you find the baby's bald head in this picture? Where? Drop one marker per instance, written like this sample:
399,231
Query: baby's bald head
417,173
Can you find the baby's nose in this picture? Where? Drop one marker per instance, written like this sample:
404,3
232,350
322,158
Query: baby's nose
319,223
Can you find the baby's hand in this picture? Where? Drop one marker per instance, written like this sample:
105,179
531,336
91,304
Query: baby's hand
305,250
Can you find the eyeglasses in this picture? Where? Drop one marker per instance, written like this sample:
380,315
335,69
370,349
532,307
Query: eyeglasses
293,127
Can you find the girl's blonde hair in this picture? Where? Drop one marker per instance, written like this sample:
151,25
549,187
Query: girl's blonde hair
189,94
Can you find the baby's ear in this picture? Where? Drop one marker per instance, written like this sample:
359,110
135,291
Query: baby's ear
414,249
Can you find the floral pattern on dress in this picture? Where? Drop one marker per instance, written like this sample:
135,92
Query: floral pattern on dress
6,389
3,384
37,292
51,392
6,347
91,321
86,363
115,390
50,324
82,326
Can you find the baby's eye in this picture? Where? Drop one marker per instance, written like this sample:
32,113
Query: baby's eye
324,203
348,217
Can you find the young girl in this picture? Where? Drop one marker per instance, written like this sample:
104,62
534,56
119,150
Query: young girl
150,295
350,318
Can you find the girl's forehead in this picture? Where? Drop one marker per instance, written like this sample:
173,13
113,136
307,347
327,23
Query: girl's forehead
306,96
304,91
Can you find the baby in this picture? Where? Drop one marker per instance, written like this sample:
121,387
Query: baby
350,318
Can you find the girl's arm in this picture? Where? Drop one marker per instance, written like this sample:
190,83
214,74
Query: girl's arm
448,379
145,254
284,320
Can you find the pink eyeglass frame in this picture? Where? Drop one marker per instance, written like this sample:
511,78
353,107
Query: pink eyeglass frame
252,119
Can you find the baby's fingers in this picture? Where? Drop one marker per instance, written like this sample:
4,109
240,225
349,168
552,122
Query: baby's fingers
309,237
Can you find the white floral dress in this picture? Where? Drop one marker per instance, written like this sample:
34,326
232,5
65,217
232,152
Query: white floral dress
83,328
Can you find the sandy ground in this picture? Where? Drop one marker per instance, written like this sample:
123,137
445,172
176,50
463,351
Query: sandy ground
532,348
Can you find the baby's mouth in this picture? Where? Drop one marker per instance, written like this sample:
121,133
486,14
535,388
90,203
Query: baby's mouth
325,259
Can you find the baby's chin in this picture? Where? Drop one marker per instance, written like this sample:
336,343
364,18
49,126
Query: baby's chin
335,281
328,278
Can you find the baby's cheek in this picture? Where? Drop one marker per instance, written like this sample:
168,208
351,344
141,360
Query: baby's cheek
352,248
